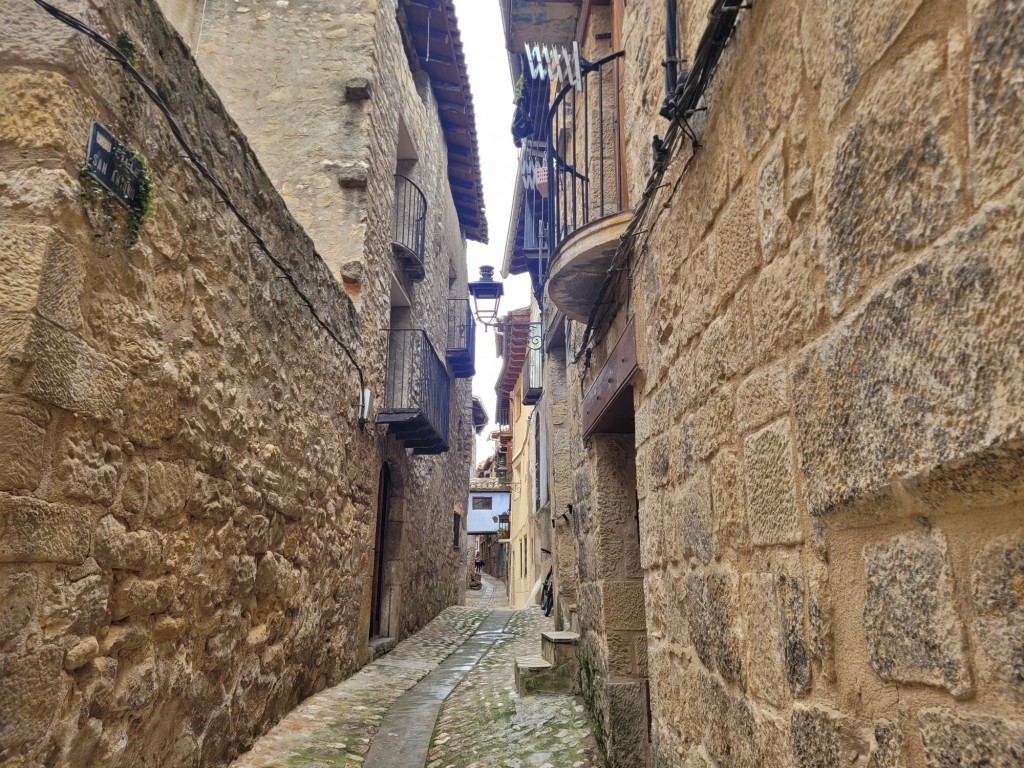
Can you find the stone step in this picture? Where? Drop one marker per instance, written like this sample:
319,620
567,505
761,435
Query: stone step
558,647
380,646
536,675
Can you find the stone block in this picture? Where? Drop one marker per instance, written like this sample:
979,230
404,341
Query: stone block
735,242
43,274
81,654
152,409
790,586
122,637
787,299
887,750
998,572
34,531
534,675
33,688
996,29
40,110
115,547
20,592
820,636
28,41
21,453
690,527
841,42
135,493
62,369
954,740
891,182
771,186
765,86
136,688
823,737
169,489
90,469
761,397
79,607
729,502
712,424
913,632
725,348
765,670
23,249
916,378
275,577
627,709
710,604
139,597
770,483
624,605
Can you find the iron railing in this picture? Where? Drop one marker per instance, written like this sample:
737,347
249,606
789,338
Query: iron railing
586,176
461,350
503,418
409,237
417,392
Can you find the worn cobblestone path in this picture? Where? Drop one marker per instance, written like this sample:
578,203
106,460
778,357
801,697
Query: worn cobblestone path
483,723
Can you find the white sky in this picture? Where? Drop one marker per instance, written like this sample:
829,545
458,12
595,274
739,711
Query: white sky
483,42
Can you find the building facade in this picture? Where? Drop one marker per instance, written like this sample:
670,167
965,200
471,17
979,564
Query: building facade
778,253
236,419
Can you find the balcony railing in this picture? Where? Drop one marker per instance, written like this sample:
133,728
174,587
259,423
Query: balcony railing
461,351
503,418
586,177
417,392
409,237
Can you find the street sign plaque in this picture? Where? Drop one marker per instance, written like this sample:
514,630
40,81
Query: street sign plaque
115,166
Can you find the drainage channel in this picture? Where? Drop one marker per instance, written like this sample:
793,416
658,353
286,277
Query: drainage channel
404,736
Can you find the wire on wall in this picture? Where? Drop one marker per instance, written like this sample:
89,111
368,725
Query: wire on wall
113,50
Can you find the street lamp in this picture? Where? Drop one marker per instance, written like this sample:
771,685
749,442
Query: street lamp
486,293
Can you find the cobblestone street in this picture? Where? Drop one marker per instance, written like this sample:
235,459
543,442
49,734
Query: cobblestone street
443,698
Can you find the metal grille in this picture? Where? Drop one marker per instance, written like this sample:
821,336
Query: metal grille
409,237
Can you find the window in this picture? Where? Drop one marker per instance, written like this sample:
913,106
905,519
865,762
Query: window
482,502
456,530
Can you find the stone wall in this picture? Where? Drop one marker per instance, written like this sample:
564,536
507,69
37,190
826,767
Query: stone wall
828,419
187,503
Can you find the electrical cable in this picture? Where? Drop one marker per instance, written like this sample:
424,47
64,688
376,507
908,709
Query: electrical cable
175,129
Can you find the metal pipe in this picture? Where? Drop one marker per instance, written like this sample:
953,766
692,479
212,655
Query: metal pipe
671,51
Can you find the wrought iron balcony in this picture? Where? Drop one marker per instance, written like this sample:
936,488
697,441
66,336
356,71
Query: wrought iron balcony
417,392
503,417
586,185
409,237
461,351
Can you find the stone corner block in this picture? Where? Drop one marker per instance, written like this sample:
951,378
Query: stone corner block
913,632
770,481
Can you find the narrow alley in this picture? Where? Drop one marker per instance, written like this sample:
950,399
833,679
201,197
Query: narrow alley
443,698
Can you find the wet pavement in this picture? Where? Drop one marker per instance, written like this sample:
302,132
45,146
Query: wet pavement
443,698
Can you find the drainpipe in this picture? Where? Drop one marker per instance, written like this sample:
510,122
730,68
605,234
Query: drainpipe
671,55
